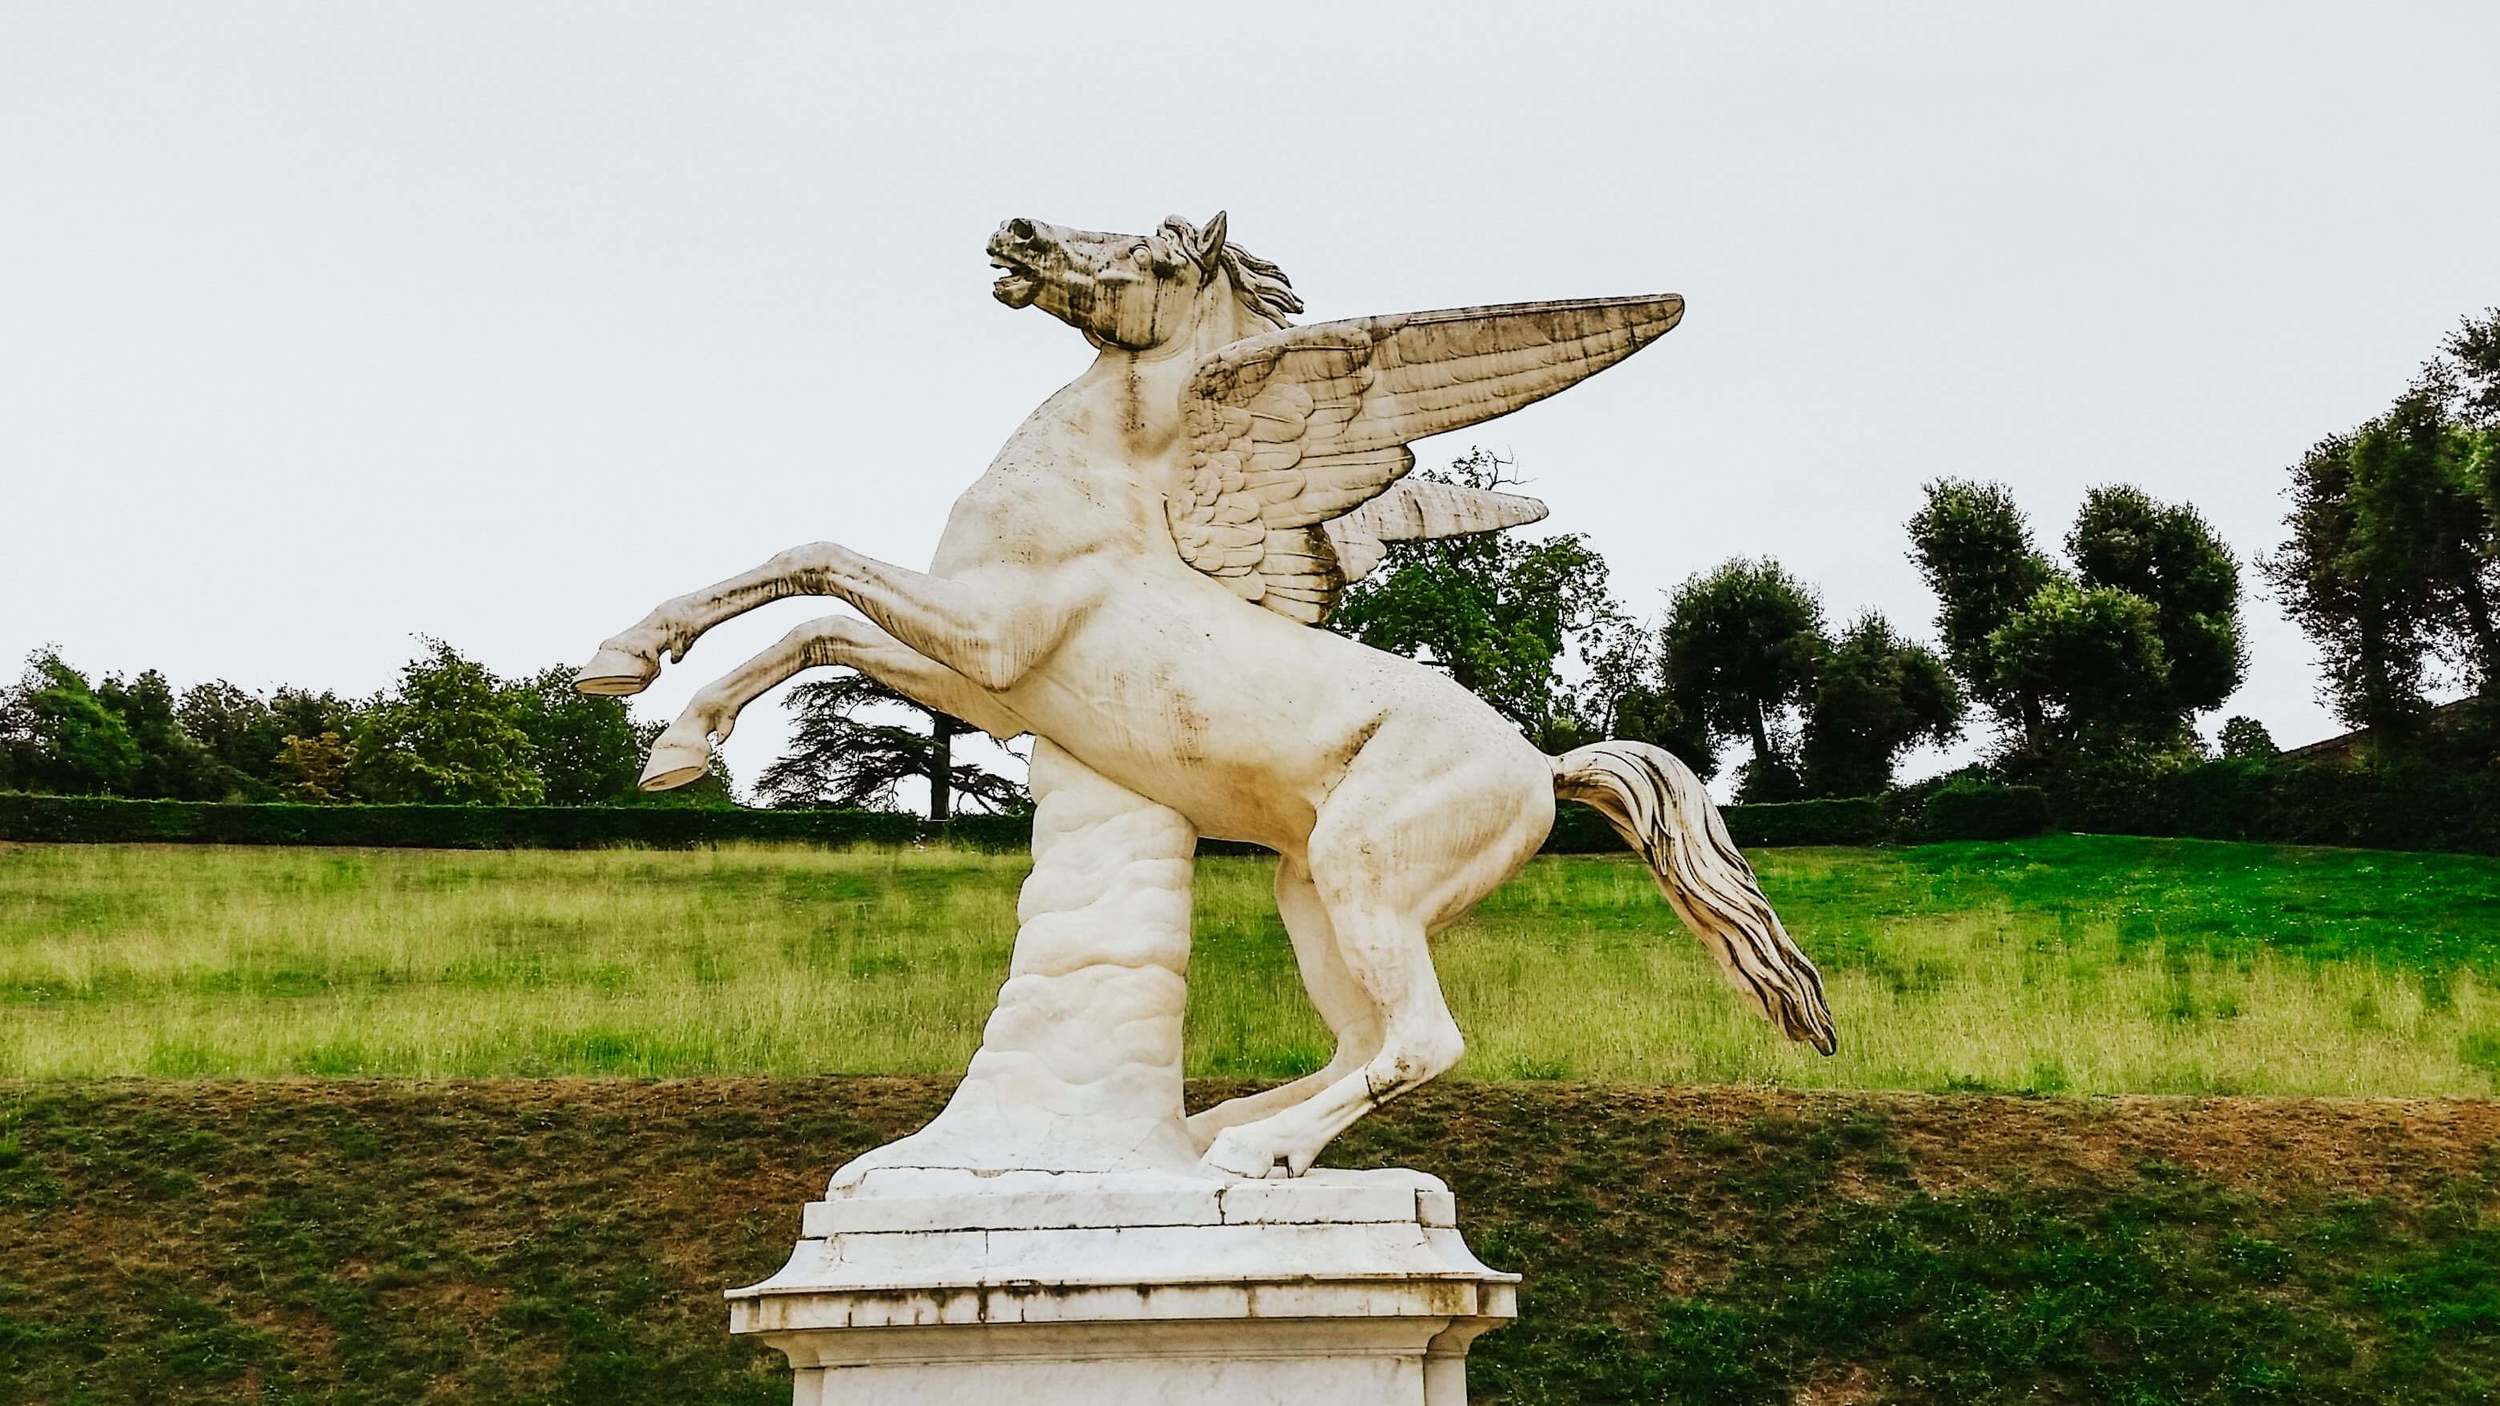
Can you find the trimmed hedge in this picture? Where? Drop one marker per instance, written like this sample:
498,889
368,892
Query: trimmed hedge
2415,806
1977,810
113,820
1982,813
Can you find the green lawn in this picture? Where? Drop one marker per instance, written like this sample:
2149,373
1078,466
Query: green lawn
2084,964
556,1243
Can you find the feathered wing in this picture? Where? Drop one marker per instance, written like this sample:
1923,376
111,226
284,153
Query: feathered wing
1416,509
1293,430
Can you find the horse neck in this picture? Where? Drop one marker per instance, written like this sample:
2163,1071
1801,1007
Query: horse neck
1141,391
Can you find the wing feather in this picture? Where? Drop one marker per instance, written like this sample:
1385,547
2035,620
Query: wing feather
1296,435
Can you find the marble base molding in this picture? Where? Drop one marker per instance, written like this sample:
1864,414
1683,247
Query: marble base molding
1043,1288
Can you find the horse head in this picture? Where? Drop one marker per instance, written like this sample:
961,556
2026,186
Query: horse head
1134,291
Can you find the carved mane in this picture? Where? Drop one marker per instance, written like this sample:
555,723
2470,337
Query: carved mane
1258,285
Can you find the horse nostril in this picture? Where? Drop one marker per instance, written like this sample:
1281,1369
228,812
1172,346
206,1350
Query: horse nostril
1020,229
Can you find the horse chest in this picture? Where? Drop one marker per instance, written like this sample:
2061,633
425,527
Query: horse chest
1015,515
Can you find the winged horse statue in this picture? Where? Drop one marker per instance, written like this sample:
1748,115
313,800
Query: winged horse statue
1135,580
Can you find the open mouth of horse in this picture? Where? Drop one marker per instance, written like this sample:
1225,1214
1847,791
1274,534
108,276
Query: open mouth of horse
1017,285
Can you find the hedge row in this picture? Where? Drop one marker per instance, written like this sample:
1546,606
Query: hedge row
2405,806
111,820
1983,813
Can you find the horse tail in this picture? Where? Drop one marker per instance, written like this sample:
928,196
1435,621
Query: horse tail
1660,808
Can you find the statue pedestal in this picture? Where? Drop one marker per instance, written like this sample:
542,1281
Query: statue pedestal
1089,1290
1051,1237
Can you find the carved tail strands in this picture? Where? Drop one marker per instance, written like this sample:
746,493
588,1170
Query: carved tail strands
1661,809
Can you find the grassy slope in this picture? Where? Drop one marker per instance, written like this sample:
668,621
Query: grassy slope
542,1242
2065,963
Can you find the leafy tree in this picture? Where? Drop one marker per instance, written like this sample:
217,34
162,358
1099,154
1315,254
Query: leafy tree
1743,643
1875,696
172,765
2473,358
2371,633
839,758
1496,611
2392,565
238,731
1622,694
450,734
2091,659
56,735
2425,517
244,732
2172,558
2244,739
2024,634
1973,546
585,749
312,770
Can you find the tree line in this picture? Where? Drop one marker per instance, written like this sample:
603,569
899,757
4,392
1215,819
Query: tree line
2121,644
2090,666
448,732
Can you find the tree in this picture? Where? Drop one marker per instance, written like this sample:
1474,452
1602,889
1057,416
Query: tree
1495,611
244,732
2424,517
1973,546
312,770
1743,643
2244,739
2392,563
837,758
172,764
1875,696
2472,354
2371,634
450,734
1622,694
2171,557
2153,594
57,736
2091,657
585,749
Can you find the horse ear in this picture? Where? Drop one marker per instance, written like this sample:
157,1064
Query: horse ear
1210,242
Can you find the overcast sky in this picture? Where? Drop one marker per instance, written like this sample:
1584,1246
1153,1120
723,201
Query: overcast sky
326,325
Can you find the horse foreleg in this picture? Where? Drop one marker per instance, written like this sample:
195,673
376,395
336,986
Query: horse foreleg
683,752
987,630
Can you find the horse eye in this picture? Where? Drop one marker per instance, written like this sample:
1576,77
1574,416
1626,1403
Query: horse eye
1138,254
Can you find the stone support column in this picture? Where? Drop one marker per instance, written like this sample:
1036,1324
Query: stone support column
1051,1236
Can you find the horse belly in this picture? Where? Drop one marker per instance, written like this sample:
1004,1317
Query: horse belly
1240,733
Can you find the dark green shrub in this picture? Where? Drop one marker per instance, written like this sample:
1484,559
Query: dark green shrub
1980,810
1856,821
2390,805
110,820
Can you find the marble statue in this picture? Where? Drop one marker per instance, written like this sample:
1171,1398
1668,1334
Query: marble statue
1134,582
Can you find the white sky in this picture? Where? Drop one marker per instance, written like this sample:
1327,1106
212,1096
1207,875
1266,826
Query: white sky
324,325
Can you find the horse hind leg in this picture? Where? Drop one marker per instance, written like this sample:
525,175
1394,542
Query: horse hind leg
1341,1001
683,752
1391,858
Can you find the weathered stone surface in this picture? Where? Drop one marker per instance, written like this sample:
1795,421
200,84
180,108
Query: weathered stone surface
1053,1235
1127,584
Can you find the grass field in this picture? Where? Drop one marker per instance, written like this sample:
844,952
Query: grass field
2081,964
557,1243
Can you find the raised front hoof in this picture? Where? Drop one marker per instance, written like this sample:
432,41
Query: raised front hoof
615,673
674,764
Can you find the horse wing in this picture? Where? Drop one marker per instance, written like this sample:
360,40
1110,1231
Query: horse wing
1416,509
1292,429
